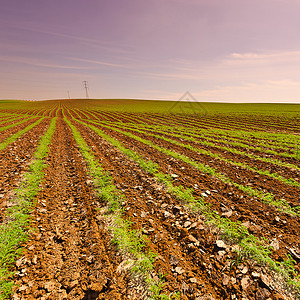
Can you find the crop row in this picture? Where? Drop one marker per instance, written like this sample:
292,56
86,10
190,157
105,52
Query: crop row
289,181
268,198
186,121
15,230
279,138
15,124
235,137
242,133
209,120
15,136
233,230
210,136
128,240
207,142
243,122
240,122
42,111
142,151
276,176
8,118
229,138
281,205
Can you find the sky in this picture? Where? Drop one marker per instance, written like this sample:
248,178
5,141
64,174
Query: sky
217,50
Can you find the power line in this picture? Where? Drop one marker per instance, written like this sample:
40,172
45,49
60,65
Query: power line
85,86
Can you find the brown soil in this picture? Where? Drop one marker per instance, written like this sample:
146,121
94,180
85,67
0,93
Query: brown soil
145,198
238,174
259,216
70,254
8,132
14,162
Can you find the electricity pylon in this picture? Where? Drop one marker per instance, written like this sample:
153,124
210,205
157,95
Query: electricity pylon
85,85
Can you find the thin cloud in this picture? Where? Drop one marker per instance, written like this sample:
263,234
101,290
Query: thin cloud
31,27
274,56
36,63
98,62
166,76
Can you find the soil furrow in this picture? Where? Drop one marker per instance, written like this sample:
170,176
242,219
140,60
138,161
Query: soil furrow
170,230
265,182
69,256
260,218
220,144
237,174
12,130
14,162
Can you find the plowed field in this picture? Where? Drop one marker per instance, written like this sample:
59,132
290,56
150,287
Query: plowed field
101,203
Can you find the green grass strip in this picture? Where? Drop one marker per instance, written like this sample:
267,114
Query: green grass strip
276,176
295,155
268,198
231,137
255,132
15,232
128,240
8,115
262,139
211,142
15,124
93,115
233,231
82,112
9,119
229,133
189,136
263,149
15,136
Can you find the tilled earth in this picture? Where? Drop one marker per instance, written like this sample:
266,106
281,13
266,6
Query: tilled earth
15,159
14,129
259,217
70,254
179,237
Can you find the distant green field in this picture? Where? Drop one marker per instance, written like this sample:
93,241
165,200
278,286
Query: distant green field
185,107
10,101
166,107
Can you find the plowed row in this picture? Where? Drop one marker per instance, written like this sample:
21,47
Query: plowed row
71,251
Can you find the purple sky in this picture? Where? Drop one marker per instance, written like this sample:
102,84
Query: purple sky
218,50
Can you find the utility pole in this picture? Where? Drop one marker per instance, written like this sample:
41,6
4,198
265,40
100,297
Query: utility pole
85,85
69,94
